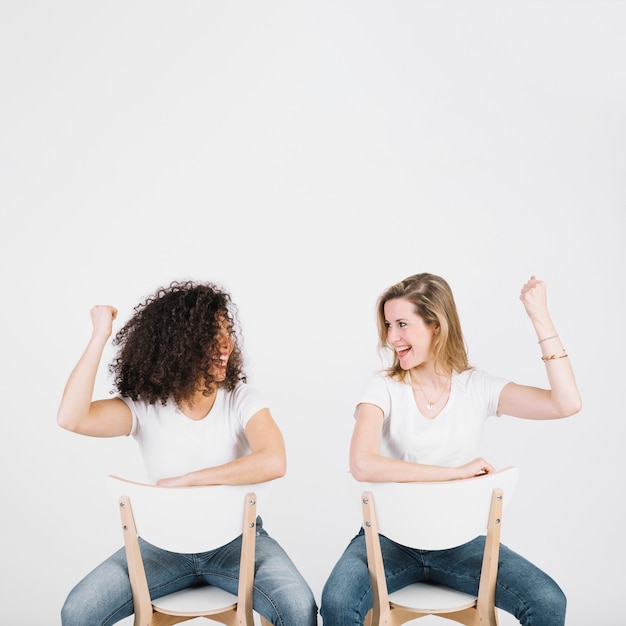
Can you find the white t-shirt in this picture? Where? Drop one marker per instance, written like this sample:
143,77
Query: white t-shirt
172,444
453,437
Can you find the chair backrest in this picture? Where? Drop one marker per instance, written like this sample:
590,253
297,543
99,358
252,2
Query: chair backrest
438,515
187,519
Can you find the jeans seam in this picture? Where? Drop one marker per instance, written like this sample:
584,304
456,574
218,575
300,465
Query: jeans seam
218,574
117,610
173,580
274,605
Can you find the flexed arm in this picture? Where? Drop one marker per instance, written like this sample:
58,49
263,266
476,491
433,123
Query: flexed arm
77,411
562,399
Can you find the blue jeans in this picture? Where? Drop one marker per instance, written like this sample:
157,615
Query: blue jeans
521,589
281,594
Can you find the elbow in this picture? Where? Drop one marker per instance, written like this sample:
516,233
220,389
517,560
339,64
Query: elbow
577,406
574,407
66,422
359,476
281,468
276,467
72,420
359,471
569,408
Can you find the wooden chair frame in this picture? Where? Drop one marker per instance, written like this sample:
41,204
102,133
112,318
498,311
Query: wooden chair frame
222,607
398,608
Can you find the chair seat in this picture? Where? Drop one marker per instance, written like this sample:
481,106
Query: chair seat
425,597
207,600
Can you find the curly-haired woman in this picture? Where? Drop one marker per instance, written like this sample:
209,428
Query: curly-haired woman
182,394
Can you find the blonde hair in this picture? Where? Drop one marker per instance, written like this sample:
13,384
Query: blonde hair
434,303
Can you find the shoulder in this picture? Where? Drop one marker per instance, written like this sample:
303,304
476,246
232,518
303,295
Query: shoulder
381,377
380,389
148,415
242,393
244,400
471,375
476,378
141,406
380,380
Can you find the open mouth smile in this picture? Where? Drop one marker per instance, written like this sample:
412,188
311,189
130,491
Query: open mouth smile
402,351
221,362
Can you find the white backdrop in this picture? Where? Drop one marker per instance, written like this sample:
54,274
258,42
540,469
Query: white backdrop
306,155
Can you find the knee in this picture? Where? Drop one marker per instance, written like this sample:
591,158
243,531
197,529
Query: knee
347,594
73,611
339,604
562,601
553,602
293,611
286,604
550,600
333,600
546,608
88,605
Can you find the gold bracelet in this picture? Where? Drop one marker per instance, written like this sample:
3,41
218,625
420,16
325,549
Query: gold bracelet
547,338
553,356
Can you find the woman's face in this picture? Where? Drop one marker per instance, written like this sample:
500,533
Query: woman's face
408,334
224,343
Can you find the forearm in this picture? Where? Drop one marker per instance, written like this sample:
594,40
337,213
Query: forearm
378,468
78,392
564,393
562,398
256,467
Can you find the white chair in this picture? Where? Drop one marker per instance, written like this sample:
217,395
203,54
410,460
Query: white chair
435,516
189,520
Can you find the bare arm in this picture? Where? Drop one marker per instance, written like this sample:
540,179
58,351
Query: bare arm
266,461
368,465
562,398
77,411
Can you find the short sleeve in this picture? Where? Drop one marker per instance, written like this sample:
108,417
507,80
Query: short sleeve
247,402
132,405
488,388
376,392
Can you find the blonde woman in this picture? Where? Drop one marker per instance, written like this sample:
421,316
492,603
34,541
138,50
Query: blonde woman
422,420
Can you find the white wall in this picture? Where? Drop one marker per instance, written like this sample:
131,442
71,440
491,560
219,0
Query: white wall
306,155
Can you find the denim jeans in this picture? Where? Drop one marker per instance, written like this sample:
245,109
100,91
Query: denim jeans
522,589
281,594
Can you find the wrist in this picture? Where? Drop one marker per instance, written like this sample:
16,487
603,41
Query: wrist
550,338
100,337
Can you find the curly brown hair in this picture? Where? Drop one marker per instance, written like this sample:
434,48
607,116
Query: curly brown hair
165,349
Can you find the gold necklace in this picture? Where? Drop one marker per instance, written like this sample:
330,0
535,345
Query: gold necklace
430,404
